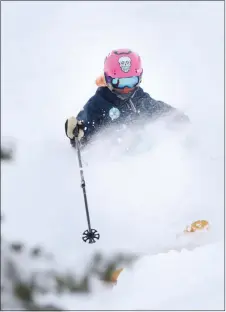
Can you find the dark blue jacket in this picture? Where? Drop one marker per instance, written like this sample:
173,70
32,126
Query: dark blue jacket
105,108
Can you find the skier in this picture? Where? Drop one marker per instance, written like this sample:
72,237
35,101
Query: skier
119,99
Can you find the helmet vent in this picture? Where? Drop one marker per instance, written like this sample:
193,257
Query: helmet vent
122,52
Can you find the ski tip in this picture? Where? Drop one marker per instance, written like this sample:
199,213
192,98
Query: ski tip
113,279
199,225
115,275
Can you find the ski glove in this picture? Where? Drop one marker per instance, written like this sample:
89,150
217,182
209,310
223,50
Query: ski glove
74,128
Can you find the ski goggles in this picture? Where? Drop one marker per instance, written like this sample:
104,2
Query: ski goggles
121,83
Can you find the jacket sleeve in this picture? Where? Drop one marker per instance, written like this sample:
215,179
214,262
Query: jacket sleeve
92,115
156,109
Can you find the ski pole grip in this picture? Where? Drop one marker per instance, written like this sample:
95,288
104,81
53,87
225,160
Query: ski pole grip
76,131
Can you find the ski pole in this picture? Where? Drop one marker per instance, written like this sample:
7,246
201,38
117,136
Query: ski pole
90,235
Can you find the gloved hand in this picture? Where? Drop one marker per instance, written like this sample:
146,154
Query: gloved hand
74,128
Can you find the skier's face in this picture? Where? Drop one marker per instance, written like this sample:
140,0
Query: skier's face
124,96
124,91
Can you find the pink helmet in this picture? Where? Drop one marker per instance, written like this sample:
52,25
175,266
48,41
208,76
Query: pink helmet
123,70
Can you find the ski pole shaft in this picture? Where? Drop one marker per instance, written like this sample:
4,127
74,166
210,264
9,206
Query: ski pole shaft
90,235
83,184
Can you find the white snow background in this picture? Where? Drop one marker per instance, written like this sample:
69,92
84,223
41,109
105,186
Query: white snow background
52,53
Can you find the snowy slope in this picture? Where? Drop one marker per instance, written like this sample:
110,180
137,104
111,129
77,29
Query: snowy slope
51,55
